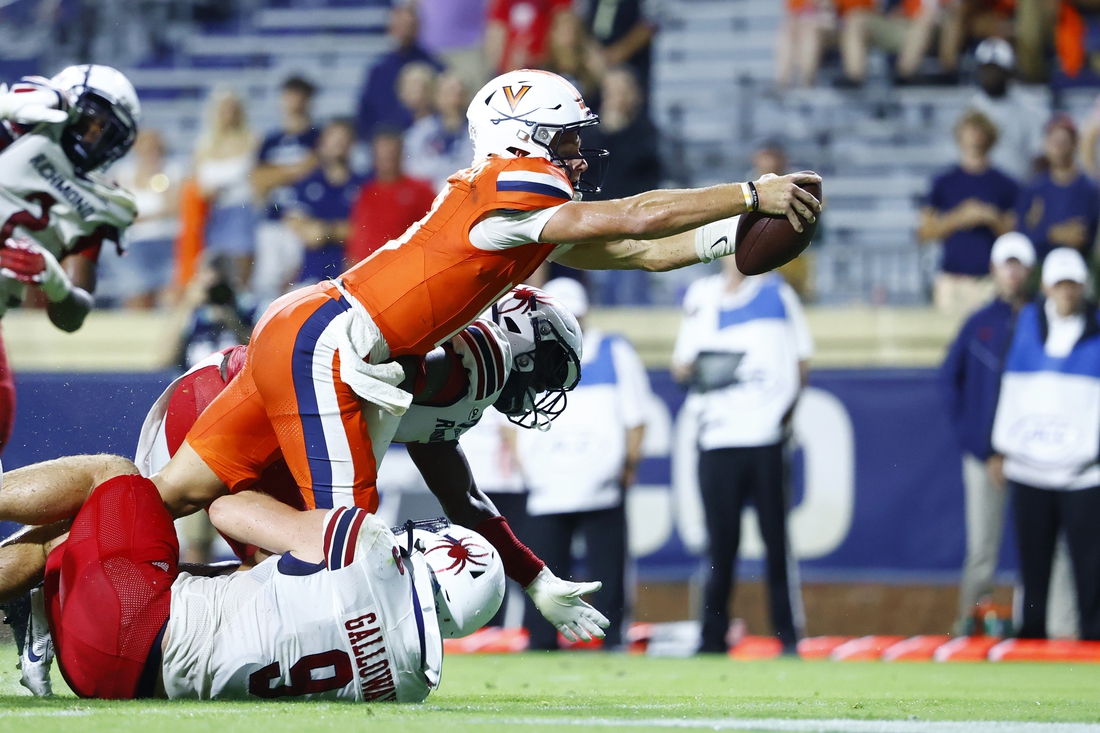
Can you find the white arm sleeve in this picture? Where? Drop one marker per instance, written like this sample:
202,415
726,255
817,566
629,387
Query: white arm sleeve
796,317
506,229
632,383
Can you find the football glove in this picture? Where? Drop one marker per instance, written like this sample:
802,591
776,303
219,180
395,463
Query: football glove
560,603
30,262
30,104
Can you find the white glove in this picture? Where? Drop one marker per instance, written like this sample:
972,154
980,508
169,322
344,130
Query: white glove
559,601
29,262
32,105
717,239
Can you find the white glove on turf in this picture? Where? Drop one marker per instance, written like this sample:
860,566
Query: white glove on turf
560,603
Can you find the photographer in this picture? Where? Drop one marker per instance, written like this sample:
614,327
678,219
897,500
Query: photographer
211,315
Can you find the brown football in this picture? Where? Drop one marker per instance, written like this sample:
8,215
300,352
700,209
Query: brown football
766,242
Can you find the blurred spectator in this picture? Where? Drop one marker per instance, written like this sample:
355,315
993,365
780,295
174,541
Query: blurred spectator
1035,35
971,381
286,157
322,205
798,54
744,348
389,203
224,158
211,313
1019,114
453,32
439,145
635,166
517,33
579,471
1060,207
1070,26
416,89
906,28
572,54
624,30
378,102
141,277
1090,141
968,207
967,19
1048,428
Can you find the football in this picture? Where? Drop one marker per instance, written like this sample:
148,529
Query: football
766,242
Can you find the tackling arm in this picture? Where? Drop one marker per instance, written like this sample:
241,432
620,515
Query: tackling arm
665,230
258,519
447,474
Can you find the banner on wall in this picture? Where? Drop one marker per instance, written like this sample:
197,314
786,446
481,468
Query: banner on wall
876,477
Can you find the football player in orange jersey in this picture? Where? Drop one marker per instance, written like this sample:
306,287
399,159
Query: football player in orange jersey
324,373
330,368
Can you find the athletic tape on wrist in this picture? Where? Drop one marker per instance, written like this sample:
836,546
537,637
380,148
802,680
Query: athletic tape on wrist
716,239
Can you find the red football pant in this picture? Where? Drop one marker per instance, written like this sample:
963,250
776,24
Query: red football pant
109,587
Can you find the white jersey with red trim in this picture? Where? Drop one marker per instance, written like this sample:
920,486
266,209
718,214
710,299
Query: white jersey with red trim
487,356
360,626
484,349
42,197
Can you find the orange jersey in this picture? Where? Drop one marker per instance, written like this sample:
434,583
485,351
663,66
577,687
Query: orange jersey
432,282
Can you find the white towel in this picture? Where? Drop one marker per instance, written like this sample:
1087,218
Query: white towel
363,365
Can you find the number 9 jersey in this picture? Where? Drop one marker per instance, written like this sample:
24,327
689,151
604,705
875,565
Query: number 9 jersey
360,626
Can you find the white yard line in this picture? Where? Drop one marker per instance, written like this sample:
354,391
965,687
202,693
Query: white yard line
811,726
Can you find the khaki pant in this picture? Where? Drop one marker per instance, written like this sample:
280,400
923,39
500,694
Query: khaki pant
960,294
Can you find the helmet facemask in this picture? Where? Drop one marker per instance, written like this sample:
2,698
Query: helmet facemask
535,392
94,113
550,137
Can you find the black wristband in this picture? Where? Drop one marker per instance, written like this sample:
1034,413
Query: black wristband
755,196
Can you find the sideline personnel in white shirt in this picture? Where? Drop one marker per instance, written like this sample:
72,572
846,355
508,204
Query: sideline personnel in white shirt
743,347
578,471
1048,429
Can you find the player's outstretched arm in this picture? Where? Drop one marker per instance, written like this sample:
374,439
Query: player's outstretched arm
447,474
258,519
658,214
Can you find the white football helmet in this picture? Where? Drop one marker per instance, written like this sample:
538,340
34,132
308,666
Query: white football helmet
467,573
547,347
523,114
104,118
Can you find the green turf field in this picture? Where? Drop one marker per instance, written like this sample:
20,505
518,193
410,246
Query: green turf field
591,691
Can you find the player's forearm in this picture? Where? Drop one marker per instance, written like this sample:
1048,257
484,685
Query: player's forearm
69,314
655,255
258,519
665,213
448,477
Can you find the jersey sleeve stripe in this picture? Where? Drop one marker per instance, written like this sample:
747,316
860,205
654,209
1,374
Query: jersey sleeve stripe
557,182
330,529
479,360
496,375
353,536
339,541
536,188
